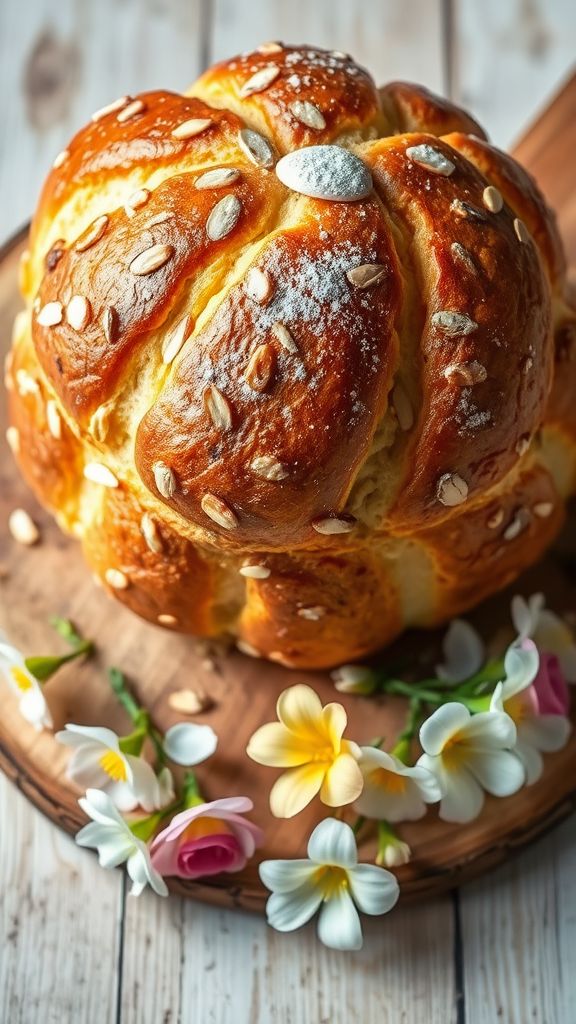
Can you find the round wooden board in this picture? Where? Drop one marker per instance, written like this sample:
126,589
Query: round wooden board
51,578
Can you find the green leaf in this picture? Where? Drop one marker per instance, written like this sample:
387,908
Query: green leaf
43,666
66,629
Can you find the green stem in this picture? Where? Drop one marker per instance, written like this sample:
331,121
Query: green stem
191,793
402,748
145,828
360,821
139,716
43,666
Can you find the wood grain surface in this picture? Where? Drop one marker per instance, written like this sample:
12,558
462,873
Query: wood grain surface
73,948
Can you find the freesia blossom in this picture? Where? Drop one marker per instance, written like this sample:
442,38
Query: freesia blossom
31,701
463,650
525,694
97,761
469,754
110,835
392,790
207,839
550,633
308,741
332,881
357,679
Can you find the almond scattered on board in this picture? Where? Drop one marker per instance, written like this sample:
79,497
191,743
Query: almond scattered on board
189,702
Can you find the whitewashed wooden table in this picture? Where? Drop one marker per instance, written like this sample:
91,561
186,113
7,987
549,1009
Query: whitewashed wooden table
74,949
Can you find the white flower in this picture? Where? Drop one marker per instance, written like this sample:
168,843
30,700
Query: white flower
392,790
463,650
188,744
549,632
396,853
98,762
332,881
470,754
32,703
357,679
517,697
110,835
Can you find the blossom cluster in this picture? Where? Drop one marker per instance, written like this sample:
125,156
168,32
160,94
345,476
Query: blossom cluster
481,726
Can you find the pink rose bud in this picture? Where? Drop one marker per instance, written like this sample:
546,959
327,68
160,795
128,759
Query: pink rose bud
551,688
207,839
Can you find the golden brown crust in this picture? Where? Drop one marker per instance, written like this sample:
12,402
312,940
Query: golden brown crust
342,94
307,422
412,108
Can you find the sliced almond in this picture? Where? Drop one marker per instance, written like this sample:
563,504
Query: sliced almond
367,275
329,525
50,315
255,572
219,511
149,531
451,489
175,340
256,148
308,114
269,468
164,479
151,259
218,178
78,312
260,368
258,285
188,702
218,408
53,420
260,80
23,528
282,334
116,579
223,218
194,126
98,473
92,234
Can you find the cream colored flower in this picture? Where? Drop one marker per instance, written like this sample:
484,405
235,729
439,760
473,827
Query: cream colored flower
548,631
469,754
308,741
392,790
31,701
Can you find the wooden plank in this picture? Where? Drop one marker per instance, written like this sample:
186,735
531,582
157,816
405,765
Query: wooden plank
508,58
233,969
61,61
547,146
381,36
518,977
59,923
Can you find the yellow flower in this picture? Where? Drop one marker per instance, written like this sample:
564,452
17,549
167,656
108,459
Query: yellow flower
308,741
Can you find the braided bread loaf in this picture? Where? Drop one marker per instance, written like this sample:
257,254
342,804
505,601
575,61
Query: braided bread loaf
296,364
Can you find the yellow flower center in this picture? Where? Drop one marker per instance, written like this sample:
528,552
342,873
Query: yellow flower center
387,780
517,708
22,680
204,827
114,766
454,752
330,880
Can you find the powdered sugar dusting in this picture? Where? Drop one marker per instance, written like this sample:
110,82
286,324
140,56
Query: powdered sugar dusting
325,172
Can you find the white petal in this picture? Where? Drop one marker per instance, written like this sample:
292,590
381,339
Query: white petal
122,795
441,726
189,744
545,732
166,791
285,875
98,806
463,797
374,890
287,911
79,735
464,653
144,783
34,709
85,770
520,667
339,925
531,759
333,842
497,771
142,873
553,635
490,730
